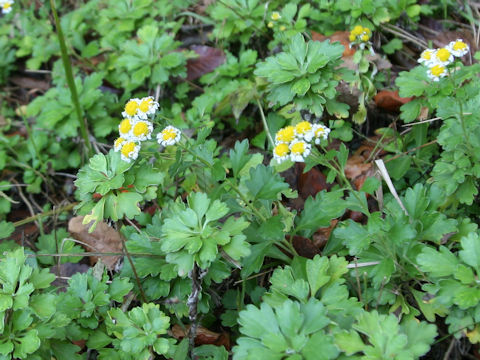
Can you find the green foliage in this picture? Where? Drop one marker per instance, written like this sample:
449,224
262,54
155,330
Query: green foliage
294,330
55,109
106,190
57,242
193,234
151,57
452,285
28,312
386,338
306,75
139,332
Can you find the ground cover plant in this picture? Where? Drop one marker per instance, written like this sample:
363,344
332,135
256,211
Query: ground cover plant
239,179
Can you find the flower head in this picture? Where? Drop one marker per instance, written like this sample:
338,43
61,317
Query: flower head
282,28
270,24
442,56
458,48
129,151
360,34
141,130
320,132
299,150
303,130
275,16
285,135
169,136
281,152
6,6
117,145
146,106
427,57
125,127
436,72
131,108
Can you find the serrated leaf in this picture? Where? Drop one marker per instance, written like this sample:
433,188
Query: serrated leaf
265,184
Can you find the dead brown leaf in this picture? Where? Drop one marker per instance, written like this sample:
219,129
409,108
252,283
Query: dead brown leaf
209,58
103,239
203,336
390,100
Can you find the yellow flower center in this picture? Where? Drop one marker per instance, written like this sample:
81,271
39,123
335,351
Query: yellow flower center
131,107
443,54
145,105
140,128
437,70
276,16
352,37
128,148
298,148
459,45
270,24
287,134
357,30
6,6
118,142
125,126
281,150
168,134
367,31
365,38
303,127
427,55
282,28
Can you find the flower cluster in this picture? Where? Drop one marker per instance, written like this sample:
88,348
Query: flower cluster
6,6
360,34
294,142
135,127
437,60
274,18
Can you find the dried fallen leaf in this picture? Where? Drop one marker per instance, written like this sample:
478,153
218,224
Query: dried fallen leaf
305,247
208,59
390,100
311,182
203,336
321,236
103,239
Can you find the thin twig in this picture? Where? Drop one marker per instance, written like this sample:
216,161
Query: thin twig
196,275
45,214
137,279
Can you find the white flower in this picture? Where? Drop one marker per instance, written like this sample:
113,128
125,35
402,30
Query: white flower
458,48
129,151
131,108
427,57
125,127
436,72
117,145
303,130
6,6
320,132
141,130
281,152
168,136
299,150
285,135
146,106
441,56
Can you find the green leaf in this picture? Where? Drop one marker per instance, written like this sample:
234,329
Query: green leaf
320,211
265,184
6,229
317,273
300,87
471,251
438,263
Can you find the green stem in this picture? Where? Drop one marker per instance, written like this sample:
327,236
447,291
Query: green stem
265,125
464,129
45,214
82,122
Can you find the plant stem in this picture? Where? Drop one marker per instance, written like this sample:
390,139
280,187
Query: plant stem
196,275
82,122
265,125
45,214
137,279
